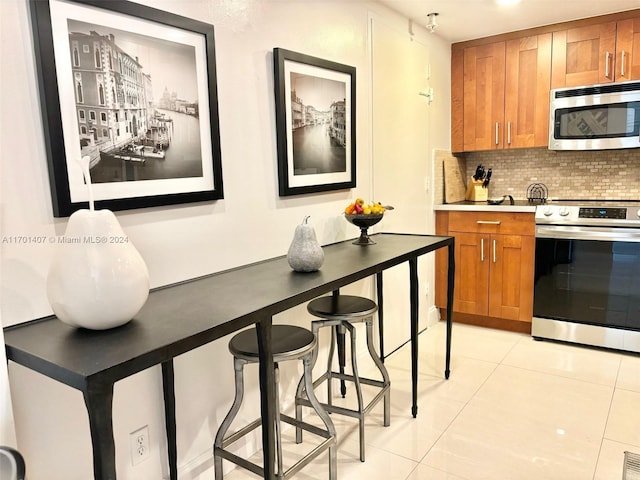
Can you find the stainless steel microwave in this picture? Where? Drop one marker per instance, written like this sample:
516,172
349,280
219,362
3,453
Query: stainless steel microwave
596,117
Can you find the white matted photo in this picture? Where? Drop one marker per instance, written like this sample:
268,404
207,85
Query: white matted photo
134,89
315,116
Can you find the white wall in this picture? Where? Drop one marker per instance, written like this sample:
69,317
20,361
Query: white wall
182,242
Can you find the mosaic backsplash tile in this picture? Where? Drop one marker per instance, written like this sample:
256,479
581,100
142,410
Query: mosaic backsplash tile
597,175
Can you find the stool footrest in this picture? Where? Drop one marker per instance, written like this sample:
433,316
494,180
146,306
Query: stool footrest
295,468
346,376
241,433
233,458
305,426
347,411
303,462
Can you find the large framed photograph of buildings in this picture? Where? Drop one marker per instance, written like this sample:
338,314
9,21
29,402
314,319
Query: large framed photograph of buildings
316,124
133,88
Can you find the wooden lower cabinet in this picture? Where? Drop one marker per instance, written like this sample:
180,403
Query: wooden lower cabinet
494,270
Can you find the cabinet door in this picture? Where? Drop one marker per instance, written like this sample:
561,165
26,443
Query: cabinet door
583,56
528,79
483,97
457,99
472,273
511,277
628,50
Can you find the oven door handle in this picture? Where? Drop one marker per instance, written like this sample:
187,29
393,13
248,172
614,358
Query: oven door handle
588,233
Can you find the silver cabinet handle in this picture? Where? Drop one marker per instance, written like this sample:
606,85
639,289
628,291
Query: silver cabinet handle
494,251
607,60
622,55
497,130
509,133
482,249
488,222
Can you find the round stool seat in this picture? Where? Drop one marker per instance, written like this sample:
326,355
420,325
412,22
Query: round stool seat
347,306
287,342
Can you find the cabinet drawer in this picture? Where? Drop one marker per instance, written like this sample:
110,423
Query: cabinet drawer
492,222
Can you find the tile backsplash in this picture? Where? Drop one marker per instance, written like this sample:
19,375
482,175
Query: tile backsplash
599,175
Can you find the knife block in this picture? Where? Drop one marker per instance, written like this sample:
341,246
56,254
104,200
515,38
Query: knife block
476,192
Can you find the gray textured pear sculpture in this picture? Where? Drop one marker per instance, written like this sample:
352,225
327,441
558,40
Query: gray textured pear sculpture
305,253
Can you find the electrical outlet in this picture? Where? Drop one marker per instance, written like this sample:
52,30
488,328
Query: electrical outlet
139,445
427,289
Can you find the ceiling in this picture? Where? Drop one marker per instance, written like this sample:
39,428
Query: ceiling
460,20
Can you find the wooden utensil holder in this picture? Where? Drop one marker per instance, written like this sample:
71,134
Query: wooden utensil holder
476,192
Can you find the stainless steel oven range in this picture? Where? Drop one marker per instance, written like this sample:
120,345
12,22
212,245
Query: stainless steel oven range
587,273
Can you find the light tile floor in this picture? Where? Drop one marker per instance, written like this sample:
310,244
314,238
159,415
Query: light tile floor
513,409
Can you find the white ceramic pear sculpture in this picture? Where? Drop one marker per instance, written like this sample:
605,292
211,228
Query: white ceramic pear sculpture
98,280
305,253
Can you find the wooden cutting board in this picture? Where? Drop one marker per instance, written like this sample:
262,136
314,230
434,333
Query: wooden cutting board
454,189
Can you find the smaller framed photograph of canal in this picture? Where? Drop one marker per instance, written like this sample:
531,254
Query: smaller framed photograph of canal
134,89
316,123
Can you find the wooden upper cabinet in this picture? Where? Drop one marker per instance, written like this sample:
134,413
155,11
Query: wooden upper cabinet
500,94
602,53
457,99
528,79
500,85
483,89
628,50
584,55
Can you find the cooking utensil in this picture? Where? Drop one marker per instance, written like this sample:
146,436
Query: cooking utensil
485,184
498,201
479,173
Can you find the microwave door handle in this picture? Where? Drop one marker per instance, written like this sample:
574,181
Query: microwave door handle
607,61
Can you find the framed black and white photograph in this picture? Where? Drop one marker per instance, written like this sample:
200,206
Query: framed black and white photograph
133,88
315,120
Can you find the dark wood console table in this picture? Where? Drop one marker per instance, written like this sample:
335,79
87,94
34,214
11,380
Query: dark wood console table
181,317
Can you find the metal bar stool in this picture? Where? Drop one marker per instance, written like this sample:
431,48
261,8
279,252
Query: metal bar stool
289,343
340,312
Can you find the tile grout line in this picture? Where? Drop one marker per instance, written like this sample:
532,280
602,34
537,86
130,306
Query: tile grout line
604,431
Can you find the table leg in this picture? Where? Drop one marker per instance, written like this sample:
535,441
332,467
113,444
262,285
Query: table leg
267,395
168,391
380,313
98,398
413,295
450,286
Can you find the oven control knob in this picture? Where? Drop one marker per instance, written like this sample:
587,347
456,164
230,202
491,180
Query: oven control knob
547,211
564,211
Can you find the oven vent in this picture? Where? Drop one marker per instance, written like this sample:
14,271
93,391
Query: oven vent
597,90
631,468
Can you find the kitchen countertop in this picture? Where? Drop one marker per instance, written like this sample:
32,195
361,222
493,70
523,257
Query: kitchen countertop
519,206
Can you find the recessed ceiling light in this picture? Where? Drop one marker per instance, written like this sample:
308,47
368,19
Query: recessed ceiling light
507,2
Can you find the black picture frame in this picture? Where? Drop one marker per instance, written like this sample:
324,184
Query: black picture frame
316,140
122,106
